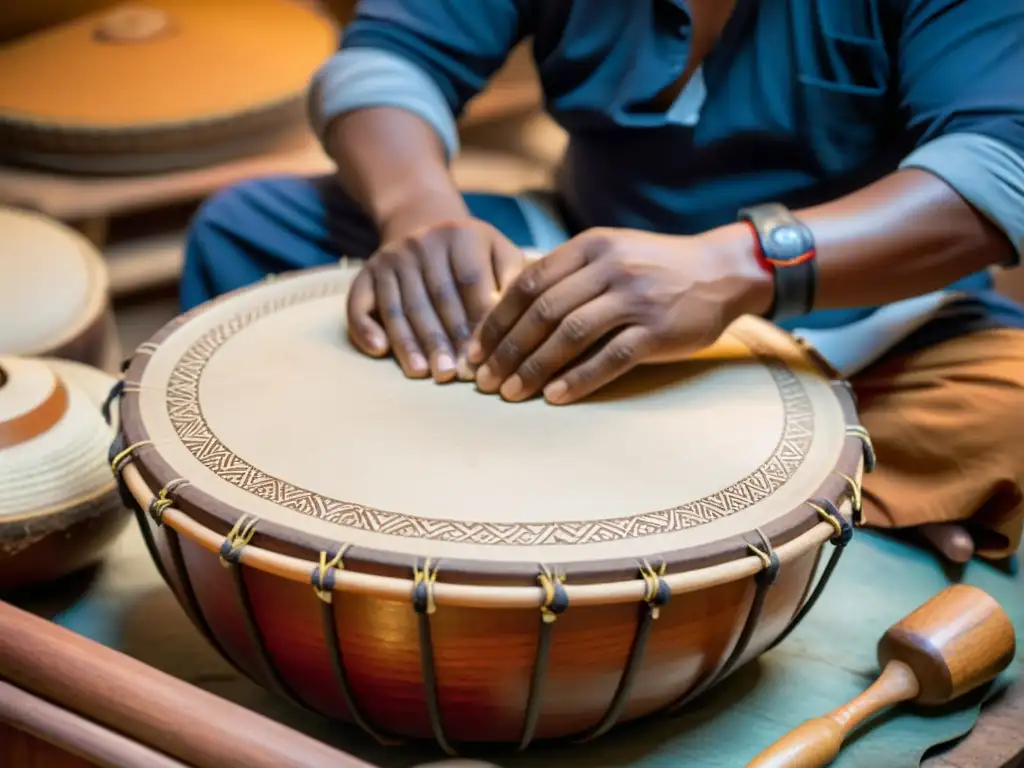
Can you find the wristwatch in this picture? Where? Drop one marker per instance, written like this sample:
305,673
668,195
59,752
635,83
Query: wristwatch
786,247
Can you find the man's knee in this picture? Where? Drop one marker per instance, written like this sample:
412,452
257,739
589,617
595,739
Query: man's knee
946,423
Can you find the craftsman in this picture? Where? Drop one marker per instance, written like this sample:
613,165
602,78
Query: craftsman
852,170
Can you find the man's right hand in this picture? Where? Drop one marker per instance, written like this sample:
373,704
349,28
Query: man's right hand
421,295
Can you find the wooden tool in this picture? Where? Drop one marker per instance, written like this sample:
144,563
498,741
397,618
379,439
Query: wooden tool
956,642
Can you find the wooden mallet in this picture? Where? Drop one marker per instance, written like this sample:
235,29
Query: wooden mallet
958,641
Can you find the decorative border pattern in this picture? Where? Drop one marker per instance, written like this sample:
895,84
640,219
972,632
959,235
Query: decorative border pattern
186,416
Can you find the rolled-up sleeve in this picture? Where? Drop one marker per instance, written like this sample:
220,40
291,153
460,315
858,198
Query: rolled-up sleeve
429,57
961,89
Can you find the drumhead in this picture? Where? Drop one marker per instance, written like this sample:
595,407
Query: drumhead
53,283
260,402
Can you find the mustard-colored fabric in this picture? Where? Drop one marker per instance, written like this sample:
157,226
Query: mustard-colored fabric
946,423
223,57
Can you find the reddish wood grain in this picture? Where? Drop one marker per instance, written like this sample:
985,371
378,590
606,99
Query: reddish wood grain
37,734
146,705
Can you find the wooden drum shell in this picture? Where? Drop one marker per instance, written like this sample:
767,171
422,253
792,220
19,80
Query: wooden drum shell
484,657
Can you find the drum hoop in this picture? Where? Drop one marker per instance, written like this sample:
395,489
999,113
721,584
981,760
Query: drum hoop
98,298
206,520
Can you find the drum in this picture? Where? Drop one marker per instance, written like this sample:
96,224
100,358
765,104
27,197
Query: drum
159,86
54,293
59,506
427,561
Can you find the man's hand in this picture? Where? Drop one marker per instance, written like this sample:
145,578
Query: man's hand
420,296
607,301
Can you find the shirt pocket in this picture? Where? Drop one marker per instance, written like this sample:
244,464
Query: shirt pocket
843,79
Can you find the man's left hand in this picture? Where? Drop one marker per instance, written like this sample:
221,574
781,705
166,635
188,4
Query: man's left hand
609,300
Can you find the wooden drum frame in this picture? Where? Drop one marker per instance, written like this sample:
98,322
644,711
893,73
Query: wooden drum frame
456,633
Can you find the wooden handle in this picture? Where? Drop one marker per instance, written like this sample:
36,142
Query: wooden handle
816,743
809,745
148,706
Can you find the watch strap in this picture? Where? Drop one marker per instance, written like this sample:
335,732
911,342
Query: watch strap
786,246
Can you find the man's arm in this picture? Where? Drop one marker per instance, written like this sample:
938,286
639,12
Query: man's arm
385,105
956,206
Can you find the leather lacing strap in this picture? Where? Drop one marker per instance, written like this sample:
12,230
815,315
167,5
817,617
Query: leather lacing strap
657,594
858,430
556,602
120,387
120,455
856,499
146,348
424,578
232,551
841,536
163,499
763,581
323,579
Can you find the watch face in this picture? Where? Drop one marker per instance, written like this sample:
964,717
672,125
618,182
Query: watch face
789,240
786,237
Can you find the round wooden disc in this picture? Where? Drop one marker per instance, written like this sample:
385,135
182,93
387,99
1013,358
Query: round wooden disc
158,84
53,290
263,405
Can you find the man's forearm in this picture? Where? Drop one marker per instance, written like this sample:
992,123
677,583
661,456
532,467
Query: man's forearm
393,164
905,235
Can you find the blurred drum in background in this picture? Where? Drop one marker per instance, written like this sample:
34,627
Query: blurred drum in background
159,86
54,293
19,19
59,506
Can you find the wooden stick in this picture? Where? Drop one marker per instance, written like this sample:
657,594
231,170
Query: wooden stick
146,705
74,734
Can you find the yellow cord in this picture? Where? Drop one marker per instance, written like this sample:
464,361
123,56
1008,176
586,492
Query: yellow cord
827,516
858,495
241,534
336,563
426,577
115,463
547,581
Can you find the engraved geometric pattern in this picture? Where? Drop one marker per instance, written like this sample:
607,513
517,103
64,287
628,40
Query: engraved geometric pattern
186,416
